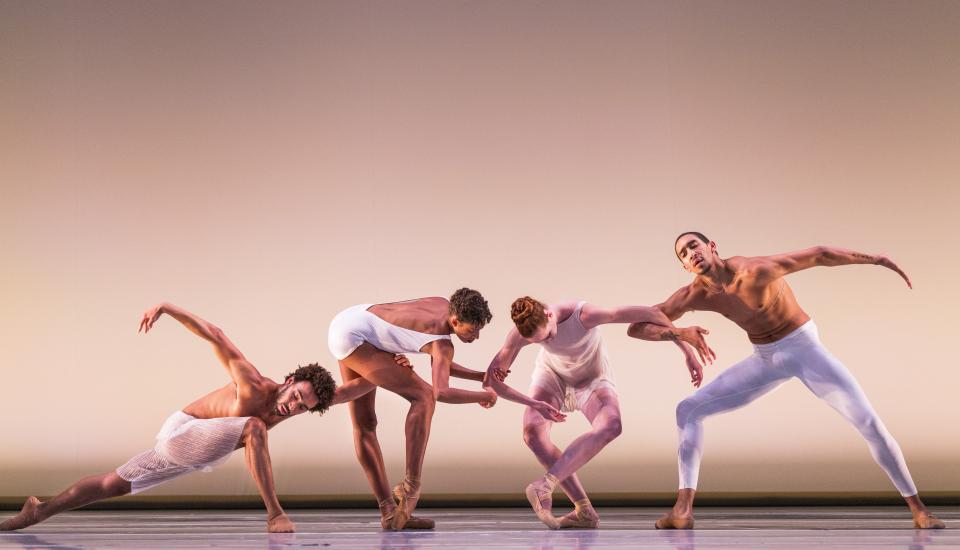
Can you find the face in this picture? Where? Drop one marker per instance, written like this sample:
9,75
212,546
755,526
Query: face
295,398
695,255
466,332
546,331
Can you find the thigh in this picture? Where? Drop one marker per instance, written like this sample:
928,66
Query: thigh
362,409
602,406
828,378
735,387
380,368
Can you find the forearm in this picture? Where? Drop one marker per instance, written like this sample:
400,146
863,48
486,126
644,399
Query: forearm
194,324
458,396
459,371
505,391
831,256
654,332
354,389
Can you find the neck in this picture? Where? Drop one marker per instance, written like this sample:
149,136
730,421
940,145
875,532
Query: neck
717,277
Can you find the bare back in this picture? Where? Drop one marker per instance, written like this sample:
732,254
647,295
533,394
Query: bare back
764,307
426,315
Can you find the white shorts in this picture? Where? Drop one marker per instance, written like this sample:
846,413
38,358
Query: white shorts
185,444
572,399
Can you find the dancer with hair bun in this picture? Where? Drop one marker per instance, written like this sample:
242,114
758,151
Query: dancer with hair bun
572,373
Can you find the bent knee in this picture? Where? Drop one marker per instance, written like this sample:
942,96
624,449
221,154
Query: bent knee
534,435
685,411
611,429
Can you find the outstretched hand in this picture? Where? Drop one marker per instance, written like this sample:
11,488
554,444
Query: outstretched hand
889,264
695,337
149,318
549,412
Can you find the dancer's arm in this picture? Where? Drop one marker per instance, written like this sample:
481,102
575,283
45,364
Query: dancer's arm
773,267
354,389
459,371
591,316
441,357
237,365
675,306
497,370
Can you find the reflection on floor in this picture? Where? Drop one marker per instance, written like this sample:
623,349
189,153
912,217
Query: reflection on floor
503,528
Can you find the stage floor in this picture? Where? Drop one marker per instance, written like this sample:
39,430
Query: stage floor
500,528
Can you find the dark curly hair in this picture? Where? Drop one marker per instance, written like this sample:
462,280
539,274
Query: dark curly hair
470,307
703,238
323,384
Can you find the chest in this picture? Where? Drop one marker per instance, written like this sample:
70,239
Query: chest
741,299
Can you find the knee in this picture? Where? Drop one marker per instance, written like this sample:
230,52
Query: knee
365,425
533,435
255,431
685,410
872,429
611,429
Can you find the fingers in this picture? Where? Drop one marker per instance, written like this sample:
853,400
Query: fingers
142,322
702,330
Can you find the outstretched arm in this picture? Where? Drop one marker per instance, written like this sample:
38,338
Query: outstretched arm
773,267
354,389
459,371
441,357
237,365
498,370
591,316
672,309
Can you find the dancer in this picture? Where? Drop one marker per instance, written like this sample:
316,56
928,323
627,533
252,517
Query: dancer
573,373
751,292
364,338
208,430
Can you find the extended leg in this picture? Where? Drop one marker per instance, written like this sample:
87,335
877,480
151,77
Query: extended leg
735,387
830,380
83,492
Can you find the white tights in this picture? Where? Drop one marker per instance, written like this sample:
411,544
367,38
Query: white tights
800,354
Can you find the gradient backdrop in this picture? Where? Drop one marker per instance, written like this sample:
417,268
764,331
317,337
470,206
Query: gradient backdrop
268,164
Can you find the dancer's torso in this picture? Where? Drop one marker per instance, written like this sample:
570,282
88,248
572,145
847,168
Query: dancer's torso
577,355
766,310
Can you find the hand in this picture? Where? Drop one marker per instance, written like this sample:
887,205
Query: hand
401,359
694,337
889,264
549,412
495,373
149,318
489,401
696,370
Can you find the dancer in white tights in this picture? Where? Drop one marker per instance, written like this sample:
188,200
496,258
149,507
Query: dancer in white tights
751,292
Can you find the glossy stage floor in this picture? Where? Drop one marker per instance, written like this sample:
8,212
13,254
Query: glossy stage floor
500,528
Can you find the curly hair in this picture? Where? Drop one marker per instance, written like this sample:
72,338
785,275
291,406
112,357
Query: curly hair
323,384
470,307
528,314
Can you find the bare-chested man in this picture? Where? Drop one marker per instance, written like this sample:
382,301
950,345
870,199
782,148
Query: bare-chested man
752,292
572,373
364,338
208,430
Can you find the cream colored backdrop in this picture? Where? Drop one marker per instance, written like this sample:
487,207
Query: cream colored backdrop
268,164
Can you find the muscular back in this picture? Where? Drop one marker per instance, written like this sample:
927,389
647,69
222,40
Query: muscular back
427,315
249,398
757,301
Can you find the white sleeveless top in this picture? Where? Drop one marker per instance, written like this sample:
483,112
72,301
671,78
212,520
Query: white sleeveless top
576,355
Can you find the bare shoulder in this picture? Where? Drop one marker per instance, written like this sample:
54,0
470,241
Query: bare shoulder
563,310
439,347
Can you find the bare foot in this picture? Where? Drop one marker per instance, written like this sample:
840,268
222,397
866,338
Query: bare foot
674,520
29,515
541,500
280,524
926,520
581,518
